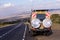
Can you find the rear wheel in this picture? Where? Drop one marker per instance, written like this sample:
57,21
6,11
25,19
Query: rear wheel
32,33
48,33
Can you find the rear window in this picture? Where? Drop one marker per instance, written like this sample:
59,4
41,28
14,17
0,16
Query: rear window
41,16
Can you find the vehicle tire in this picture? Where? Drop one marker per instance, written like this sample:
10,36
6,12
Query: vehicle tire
48,33
31,33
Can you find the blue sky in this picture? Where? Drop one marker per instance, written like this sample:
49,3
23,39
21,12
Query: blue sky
14,7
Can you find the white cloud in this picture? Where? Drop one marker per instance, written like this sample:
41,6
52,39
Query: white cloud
6,5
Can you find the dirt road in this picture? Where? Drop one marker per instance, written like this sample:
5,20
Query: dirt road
54,36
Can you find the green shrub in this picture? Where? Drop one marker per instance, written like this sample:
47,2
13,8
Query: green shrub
55,18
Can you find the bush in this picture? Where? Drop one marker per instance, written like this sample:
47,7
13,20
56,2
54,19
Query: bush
55,18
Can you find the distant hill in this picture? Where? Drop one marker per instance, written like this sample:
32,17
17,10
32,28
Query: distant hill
27,14
14,18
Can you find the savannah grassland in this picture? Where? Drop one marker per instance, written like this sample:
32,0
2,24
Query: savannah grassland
56,21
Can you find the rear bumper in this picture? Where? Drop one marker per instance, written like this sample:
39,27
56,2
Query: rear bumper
41,30
44,31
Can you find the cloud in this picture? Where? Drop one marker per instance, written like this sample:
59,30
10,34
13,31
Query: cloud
6,5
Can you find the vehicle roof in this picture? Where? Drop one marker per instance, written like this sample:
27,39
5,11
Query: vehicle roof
40,10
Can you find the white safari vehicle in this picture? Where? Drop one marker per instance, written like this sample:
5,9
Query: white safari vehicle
40,22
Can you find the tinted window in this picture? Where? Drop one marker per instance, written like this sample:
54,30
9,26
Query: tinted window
41,16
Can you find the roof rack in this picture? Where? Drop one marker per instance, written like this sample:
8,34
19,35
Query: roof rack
40,10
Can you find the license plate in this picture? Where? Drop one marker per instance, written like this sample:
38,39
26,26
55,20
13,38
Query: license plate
42,27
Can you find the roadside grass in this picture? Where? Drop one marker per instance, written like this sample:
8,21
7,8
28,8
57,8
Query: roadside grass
3,24
55,18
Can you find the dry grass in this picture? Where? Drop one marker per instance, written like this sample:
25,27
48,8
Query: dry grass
56,26
1,26
55,18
